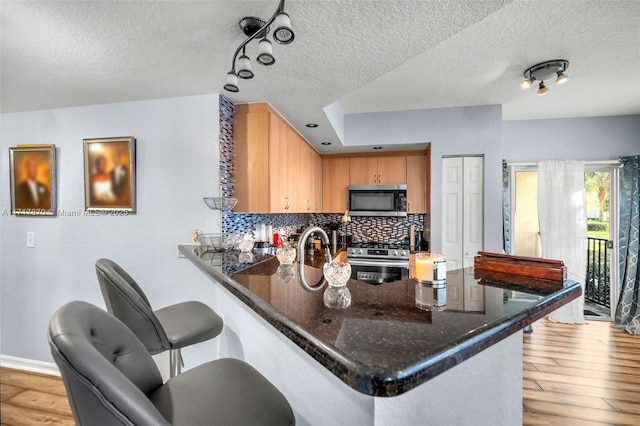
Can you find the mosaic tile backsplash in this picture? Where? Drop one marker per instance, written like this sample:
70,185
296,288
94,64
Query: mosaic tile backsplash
387,229
364,228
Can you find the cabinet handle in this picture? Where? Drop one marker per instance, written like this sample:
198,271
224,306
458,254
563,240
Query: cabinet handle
375,180
408,206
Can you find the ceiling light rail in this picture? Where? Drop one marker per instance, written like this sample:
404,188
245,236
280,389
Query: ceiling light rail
254,27
544,71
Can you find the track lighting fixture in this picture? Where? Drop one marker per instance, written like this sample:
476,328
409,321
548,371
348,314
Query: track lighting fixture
545,71
254,28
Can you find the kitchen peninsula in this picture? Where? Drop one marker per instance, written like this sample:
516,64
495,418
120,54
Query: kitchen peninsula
408,360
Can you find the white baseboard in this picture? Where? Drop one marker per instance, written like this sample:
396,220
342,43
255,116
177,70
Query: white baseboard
31,365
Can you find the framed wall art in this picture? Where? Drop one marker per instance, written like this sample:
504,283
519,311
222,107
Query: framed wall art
32,171
110,174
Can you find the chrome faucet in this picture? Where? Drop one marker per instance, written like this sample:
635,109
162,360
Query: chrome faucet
301,243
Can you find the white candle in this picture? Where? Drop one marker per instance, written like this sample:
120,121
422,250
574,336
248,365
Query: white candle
430,267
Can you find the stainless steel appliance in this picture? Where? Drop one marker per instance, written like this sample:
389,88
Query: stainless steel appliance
376,263
378,200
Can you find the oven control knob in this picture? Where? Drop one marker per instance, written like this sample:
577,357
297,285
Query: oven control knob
395,252
360,251
403,253
353,251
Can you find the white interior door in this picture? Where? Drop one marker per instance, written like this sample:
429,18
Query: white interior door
452,199
472,211
462,209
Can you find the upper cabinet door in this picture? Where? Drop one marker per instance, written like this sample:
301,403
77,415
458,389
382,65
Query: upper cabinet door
363,171
335,185
392,170
416,184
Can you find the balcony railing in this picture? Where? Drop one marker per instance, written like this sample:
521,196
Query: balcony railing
598,274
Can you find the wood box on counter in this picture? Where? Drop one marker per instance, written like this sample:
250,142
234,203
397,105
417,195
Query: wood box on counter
531,267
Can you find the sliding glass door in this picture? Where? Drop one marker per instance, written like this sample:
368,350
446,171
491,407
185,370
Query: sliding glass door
601,189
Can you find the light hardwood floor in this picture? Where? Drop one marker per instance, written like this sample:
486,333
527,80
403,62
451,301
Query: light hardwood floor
573,375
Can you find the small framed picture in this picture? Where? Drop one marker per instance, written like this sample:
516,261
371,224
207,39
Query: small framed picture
110,174
33,180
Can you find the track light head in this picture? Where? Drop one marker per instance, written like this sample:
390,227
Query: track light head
526,83
244,66
283,33
231,82
542,89
562,78
265,53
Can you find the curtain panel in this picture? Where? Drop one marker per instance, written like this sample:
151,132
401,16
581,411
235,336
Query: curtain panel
627,315
563,226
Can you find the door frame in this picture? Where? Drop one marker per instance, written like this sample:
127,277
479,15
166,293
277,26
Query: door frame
613,167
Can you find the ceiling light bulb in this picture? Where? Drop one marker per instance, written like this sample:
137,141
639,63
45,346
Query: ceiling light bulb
244,67
542,90
232,82
283,33
526,83
562,78
265,52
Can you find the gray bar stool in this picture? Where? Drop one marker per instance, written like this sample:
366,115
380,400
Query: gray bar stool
111,379
170,328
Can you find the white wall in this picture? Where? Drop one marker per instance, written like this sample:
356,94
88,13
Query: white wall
589,138
177,164
451,131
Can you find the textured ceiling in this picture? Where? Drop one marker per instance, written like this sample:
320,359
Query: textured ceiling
364,55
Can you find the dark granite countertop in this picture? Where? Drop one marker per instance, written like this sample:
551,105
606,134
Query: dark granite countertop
394,336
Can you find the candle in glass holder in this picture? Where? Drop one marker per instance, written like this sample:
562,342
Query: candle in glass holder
430,267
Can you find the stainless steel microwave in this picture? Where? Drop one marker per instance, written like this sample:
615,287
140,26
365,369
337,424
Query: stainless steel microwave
378,200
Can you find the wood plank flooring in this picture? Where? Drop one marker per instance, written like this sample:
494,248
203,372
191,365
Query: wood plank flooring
33,399
573,375
581,375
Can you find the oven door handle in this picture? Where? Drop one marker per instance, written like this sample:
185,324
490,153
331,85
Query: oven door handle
356,262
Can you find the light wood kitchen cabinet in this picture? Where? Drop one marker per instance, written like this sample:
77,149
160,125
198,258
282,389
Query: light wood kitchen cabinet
335,185
416,184
317,206
272,172
378,170
393,168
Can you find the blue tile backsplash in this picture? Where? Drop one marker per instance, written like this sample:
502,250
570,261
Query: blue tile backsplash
387,229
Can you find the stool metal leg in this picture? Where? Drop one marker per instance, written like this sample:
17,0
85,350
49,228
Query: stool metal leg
175,362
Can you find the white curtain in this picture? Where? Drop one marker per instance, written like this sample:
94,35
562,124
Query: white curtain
563,226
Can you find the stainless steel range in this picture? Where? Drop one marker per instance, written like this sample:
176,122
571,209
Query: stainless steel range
377,263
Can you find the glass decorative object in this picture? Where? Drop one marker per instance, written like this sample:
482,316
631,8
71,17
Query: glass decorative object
286,272
337,295
286,255
245,257
246,244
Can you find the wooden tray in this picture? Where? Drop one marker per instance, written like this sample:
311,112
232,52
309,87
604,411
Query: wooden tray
533,267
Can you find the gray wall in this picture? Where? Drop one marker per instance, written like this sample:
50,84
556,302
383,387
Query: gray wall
591,138
177,164
451,131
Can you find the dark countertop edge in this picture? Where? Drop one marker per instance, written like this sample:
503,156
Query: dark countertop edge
333,360
469,345
388,383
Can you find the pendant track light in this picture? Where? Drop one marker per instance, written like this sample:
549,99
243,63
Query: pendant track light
545,71
256,28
